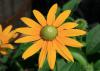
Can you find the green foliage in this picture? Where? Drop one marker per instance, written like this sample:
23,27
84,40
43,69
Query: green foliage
93,40
62,65
21,49
97,66
71,5
84,58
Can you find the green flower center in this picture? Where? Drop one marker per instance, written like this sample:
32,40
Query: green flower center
49,32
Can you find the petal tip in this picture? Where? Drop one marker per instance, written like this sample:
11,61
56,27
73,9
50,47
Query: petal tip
23,58
34,11
68,11
22,18
55,5
16,41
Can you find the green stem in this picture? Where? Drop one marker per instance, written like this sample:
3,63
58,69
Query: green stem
21,68
89,67
82,60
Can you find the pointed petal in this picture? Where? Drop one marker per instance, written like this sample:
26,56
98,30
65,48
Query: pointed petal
68,25
41,19
4,38
69,42
32,49
63,51
8,29
12,34
51,14
0,28
3,52
9,46
27,31
61,18
27,39
72,32
51,55
43,54
31,23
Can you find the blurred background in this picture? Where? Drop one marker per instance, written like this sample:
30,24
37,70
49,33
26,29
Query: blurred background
12,10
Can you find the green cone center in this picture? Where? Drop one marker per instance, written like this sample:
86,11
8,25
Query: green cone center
49,32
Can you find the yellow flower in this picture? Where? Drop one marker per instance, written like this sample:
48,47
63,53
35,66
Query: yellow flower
5,37
50,36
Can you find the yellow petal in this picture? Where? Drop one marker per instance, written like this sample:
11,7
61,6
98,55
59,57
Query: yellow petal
68,25
8,29
0,28
27,39
4,38
43,54
31,23
70,42
51,14
63,51
72,32
41,19
11,34
3,52
27,31
61,18
32,49
9,46
51,55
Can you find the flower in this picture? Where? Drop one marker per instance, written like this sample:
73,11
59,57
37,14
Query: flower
50,36
5,37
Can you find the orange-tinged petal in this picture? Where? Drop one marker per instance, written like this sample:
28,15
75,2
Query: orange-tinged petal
0,28
72,32
9,46
27,31
63,51
26,39
41,19
4,38
31,23
69,42
7,29
32,49
60,51
43,54
68,25
61,18
11,34
51,14
3,52
51,55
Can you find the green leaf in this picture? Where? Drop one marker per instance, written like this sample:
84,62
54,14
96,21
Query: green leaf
97,66
71,5
4,59
21,49
45,66
62,65
93,40
3,67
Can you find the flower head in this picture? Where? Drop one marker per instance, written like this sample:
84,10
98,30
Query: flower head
5,37
50,36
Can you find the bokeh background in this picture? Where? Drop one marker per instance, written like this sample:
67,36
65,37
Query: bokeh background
12,10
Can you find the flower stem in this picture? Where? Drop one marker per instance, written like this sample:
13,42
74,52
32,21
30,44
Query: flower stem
21,69
82,60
